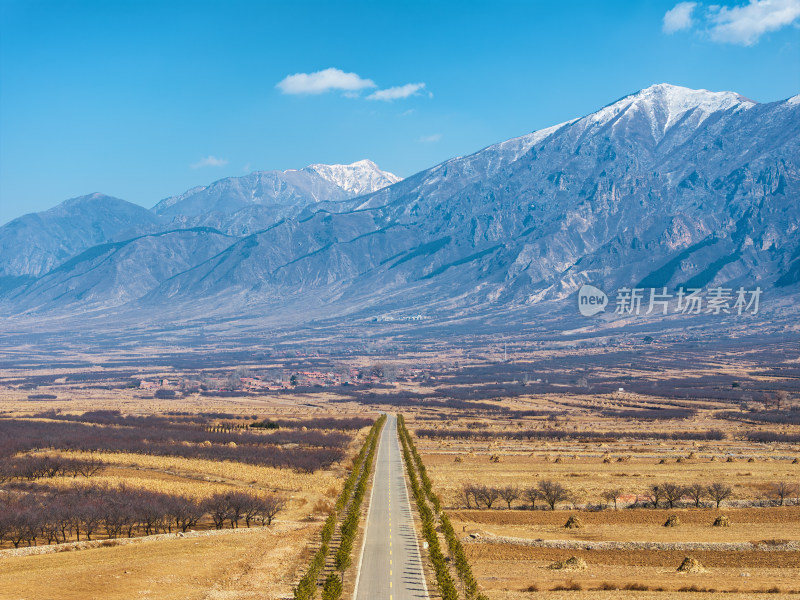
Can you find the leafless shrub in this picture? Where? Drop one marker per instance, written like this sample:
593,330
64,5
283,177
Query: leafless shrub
509,493
719,492
783,490
552,492
696,492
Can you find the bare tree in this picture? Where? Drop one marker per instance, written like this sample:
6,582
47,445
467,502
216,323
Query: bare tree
509,493
90,466
238,504
467,494
217,507
719,492
488,495
186,512
655,493
6,471
552,492
269,506
532,494
672,493
612,495
696,492
782,490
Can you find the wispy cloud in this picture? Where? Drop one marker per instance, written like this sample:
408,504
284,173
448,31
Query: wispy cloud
429,139
679,17
746,24
397,93
742,24
323,81
209,161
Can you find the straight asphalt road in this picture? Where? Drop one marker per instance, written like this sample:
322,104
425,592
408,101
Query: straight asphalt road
390,567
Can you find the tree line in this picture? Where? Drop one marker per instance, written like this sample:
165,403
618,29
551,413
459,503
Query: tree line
172,418
32,467
21,435
51,515
550,493
561,434
422,495
306,588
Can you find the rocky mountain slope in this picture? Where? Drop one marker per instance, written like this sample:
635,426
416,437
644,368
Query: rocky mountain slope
242,205
664,187
35,243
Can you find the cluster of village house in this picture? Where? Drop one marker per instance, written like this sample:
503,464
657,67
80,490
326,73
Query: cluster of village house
287,379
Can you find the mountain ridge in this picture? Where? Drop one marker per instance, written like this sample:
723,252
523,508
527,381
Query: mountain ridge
633,192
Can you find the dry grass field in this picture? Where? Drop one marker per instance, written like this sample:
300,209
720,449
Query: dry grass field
725,403
260,562
628,552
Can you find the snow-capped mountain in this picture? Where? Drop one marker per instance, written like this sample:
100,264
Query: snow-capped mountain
664,187
34,244
356,179
256,201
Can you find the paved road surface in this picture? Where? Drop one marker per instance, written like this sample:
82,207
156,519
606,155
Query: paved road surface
391,568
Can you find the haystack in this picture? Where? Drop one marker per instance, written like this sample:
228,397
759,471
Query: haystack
672,521
573,563
722,521
691,565
573,523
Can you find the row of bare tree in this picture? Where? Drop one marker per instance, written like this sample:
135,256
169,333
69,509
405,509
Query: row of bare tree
667,495
50,515
33,467
548,491
317,450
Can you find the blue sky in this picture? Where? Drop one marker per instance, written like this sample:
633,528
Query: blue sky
142,100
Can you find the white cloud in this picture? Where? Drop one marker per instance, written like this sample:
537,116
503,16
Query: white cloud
209,161
429,139
323,81
679,17
396,93
746,24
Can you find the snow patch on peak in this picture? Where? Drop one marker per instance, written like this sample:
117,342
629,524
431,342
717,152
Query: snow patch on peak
794,100
665,104
360,177
522,144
